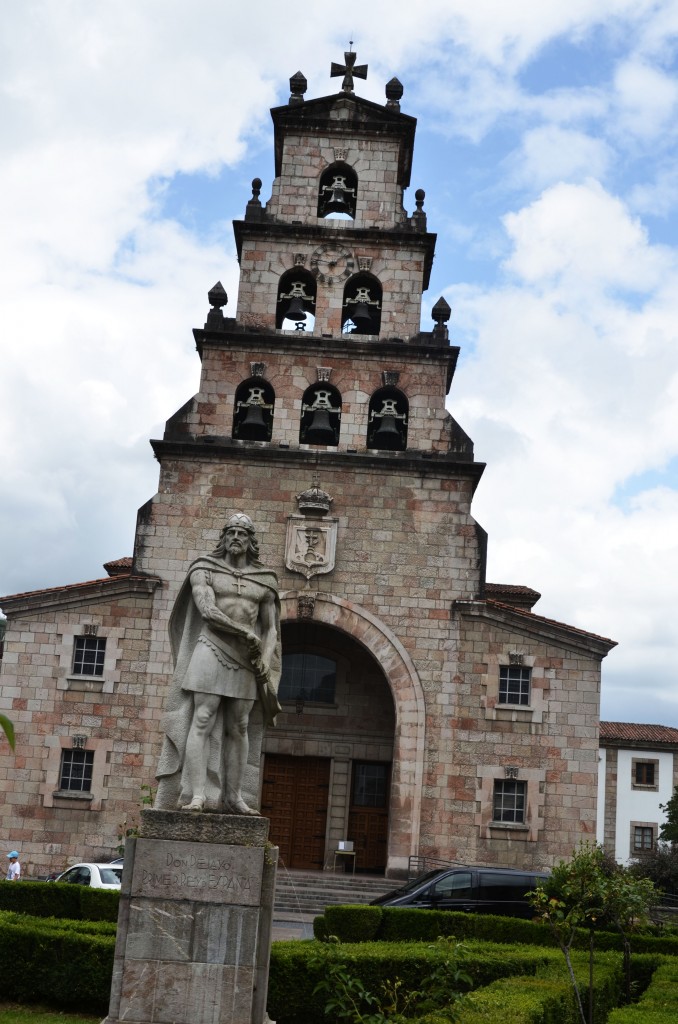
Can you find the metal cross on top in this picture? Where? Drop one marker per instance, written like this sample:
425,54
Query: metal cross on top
348,70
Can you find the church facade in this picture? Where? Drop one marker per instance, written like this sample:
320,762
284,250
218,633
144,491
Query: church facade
426,712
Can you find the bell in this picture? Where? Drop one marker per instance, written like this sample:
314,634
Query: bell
361,312
295,310
338,201
319,430
387,436
253,426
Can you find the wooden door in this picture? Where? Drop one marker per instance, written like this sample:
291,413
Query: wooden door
368,815
294,797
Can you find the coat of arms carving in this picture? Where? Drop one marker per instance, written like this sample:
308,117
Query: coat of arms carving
310,546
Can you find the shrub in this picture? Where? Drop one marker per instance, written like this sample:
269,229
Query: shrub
50,899
358,923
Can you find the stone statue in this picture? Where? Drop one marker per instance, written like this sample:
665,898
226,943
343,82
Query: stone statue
225,635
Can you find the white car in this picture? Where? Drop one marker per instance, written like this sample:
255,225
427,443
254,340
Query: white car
98,876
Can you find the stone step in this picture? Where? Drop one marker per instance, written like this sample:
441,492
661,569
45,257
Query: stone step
308,893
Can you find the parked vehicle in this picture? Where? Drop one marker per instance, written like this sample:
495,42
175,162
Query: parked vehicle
119,861
98,876
477,890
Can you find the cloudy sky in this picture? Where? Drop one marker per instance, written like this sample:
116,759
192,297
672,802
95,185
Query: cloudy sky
547,141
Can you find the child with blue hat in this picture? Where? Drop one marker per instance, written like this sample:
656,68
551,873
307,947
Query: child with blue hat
14,869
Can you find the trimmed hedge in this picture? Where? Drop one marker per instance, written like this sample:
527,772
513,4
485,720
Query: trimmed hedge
56,963
658,1004
54,899
405,924
297,967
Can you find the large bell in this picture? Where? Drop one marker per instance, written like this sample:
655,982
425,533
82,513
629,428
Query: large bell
387,436
320,430
361,315
295,310
253,426
339,201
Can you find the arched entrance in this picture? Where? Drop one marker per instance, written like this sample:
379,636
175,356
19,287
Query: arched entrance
345,762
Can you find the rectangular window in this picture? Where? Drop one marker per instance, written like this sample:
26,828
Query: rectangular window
644,773
76,770
509,801
370,784
643,838
88,655
514,684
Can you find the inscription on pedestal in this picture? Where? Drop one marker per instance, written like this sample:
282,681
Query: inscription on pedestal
194,871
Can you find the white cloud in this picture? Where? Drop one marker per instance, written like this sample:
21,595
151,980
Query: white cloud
647,99
551,154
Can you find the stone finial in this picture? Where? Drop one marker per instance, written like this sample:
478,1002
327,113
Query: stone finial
254,209
419,217
217,298
441,314
298,86
394,93
349,69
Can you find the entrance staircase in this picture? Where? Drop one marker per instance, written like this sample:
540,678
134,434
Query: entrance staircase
305,894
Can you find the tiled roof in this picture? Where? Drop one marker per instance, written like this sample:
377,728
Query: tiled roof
499,589
119,567
551,622
638,733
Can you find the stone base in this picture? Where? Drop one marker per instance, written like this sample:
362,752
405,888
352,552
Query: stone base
194,928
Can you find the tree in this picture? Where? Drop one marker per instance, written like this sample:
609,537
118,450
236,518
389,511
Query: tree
660,865
669,830
591,891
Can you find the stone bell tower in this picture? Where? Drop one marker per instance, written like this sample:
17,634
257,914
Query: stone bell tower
321,414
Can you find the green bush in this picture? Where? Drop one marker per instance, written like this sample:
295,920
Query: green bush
60,966
296,969
359,923
50,899
659,1002
405,924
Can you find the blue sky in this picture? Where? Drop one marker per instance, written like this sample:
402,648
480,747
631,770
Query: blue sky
547,146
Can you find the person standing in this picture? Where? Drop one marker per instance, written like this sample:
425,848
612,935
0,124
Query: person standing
14,868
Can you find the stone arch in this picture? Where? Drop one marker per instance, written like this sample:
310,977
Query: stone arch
408,698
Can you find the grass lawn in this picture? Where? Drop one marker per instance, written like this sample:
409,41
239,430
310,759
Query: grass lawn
13,1013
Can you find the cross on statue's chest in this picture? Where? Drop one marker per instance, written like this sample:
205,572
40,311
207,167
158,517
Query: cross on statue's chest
238,583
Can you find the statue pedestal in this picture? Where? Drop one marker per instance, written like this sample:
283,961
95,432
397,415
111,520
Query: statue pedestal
194,928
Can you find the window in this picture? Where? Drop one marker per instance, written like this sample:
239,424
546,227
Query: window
88,655
76,770
337,192
509,801
308,677
361,307
458,886
643,838
295,308
515,684
645,773
370,784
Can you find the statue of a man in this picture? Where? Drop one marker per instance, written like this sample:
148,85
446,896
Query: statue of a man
225,633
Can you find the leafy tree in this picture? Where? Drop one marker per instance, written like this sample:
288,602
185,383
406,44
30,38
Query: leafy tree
591,891
669,830
660,865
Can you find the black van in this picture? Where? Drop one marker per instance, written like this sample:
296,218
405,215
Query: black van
480,890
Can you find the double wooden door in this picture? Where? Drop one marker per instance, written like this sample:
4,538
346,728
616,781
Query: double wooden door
294,797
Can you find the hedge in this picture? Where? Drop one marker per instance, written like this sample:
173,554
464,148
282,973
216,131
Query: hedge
56,963
657,1005
298,966
404,924
54,899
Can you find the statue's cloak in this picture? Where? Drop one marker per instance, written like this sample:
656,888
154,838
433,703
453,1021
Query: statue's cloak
185,626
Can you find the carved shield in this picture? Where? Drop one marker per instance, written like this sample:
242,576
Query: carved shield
310,546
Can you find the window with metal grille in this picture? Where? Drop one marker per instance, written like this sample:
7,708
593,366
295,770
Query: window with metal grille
370,784
515,684
509,800
76,770
308,677
643,838
644,772
88,655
